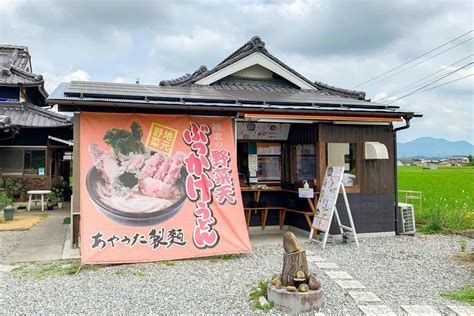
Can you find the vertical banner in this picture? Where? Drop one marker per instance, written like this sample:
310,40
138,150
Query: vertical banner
156,187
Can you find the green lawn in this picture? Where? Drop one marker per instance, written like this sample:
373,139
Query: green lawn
448,196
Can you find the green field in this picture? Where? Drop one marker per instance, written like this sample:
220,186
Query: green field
448,196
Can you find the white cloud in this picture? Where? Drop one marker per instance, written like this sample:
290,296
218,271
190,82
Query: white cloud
53,80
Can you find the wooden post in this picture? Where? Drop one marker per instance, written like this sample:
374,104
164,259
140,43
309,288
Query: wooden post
292,263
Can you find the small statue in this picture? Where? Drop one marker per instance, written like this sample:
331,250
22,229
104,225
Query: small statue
276,281
303,287
313,282
290,244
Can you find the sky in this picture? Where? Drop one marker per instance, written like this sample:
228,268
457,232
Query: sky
342,43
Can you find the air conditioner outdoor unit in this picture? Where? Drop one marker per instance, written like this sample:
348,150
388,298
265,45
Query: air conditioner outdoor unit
407,216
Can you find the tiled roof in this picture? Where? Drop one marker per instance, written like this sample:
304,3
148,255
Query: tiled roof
229,98
255,44
15,68
28,115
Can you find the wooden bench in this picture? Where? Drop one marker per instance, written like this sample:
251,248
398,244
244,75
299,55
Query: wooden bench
282,210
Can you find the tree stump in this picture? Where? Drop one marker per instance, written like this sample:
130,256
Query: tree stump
292,263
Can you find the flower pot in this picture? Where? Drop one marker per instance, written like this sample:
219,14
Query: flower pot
49,207
60,204
8,213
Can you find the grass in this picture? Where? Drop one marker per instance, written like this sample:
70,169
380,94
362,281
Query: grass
42,271
464,294
255,293
448,196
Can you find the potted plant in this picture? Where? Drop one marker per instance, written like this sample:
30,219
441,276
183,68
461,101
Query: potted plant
52,201
58,192
6,205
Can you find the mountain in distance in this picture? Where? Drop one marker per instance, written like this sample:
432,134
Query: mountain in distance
430,147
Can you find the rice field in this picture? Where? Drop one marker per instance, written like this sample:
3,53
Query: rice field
448,196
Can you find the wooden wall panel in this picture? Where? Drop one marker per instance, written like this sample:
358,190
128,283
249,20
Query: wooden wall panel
377,176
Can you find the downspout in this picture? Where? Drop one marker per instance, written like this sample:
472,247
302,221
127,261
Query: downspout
395,167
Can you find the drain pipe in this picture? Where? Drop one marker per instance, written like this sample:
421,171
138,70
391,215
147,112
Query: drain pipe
395,166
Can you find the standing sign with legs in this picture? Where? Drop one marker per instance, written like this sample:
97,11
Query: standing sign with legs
326,207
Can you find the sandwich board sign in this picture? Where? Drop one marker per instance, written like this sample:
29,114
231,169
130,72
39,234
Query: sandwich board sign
326,208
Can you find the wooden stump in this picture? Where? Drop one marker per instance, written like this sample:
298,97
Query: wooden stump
292,263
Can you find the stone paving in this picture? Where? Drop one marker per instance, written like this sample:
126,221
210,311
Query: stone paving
419,310
364,297
376,310
338,274
326,265
462,310
350,284
369,303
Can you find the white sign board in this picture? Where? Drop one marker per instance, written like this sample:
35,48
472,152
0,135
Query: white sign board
306,193
328,198
326,208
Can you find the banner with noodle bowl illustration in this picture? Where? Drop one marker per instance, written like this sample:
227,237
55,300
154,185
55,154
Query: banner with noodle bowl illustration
158,187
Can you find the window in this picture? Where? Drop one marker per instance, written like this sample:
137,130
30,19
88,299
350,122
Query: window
344,154
19,161
34,160
268,162
11,160
305,162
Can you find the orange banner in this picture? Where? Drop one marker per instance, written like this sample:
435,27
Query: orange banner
156,187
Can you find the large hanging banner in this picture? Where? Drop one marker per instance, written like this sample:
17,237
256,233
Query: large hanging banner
156,187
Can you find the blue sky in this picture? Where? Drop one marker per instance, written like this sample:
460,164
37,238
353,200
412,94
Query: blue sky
342,43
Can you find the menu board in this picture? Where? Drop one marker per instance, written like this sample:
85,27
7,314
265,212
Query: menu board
327,198
262,131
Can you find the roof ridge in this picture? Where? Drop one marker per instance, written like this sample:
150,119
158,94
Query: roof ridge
185,78
325,86
14,46
26,73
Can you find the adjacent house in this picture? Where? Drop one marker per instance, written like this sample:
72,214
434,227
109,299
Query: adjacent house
33,139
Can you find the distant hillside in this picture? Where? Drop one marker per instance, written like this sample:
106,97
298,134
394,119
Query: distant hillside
430,147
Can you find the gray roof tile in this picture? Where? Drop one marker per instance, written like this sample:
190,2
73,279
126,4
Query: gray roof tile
15,68
255,44
28,115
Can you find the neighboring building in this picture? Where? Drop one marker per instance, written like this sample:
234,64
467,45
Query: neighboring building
326,126
27,152
430,164
460,160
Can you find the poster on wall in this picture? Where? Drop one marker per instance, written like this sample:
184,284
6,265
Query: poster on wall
328,198
158,187
262,131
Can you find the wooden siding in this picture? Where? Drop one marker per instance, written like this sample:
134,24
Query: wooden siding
376,176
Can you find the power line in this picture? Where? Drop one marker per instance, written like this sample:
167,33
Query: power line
430,83
443,84
420,62
413,59
420,81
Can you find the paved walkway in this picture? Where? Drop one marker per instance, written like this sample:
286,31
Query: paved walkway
44,242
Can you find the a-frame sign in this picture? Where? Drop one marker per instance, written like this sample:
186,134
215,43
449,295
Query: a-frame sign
326,208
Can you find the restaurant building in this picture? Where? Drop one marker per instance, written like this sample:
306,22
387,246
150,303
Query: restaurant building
287,130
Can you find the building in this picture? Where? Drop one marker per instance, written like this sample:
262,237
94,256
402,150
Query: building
28,151
287,129
460,160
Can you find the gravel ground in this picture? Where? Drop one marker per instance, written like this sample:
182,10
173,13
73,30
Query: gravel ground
398,269
404,270
8,241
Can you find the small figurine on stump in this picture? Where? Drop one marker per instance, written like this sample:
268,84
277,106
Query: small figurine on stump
295,289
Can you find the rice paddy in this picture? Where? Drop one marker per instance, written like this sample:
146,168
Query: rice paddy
448,196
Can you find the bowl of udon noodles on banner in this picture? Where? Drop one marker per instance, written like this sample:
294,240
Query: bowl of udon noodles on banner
134,186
